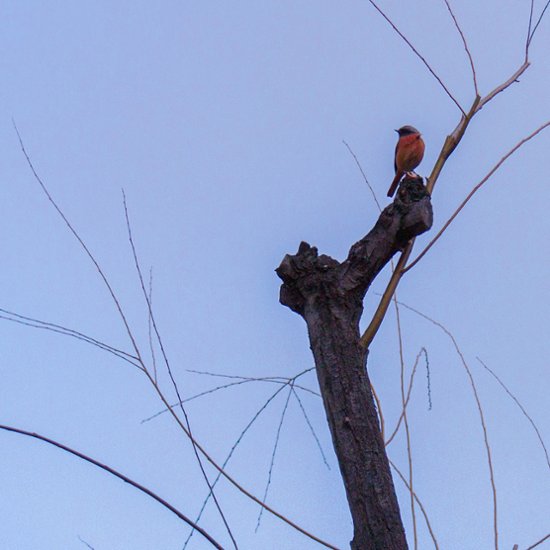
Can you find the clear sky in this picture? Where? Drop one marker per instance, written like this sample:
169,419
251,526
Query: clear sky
223,122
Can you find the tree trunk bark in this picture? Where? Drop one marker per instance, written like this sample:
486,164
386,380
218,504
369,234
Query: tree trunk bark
329,296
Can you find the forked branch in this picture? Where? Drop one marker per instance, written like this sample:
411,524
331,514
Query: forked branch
465,43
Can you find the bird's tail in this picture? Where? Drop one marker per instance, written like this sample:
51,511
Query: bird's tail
395,183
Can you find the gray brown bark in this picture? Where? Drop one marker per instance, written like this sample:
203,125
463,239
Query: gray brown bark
329,296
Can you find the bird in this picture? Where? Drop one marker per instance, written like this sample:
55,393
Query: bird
409,152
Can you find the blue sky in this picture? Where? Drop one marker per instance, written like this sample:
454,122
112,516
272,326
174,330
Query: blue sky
224,122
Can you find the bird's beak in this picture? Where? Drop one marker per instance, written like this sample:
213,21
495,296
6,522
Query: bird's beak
396,131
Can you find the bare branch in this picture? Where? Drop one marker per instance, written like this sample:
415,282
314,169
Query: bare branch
474,76
273,379
411,380
310,426
150,327
380,312
527,40
289,382
59,329
379,410
501,87
423,510
141,362
272,461
428,380
363,174
229,477
480,410
405,420
152,320
240,380
230,454
530,37
418,54
473,192
196,396
115,473
85,543
451,143
80,241
521,408
539,542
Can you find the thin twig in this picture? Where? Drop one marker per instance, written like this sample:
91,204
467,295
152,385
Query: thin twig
117,303
303,388
527,40
230,454
240,380
81,242
220,375
521,408
451,143
428,379
363,174
411,380
84,542
273,379
418,54
169,369
150,326
310,426
239,376
501,87
196,396
141,362
473,192
231,480
480,410
405,420
468,53
70,332
43,325
539,542
385,301
289,381
535,27
116,474
379,409
423,510
272,461
217,388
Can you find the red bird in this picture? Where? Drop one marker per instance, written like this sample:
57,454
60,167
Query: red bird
409,152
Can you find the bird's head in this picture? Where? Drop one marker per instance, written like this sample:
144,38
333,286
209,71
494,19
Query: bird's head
407,131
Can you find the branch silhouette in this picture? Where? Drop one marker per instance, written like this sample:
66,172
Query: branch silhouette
139,358
115,473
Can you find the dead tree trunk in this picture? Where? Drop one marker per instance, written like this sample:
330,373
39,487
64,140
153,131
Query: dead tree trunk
329,296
